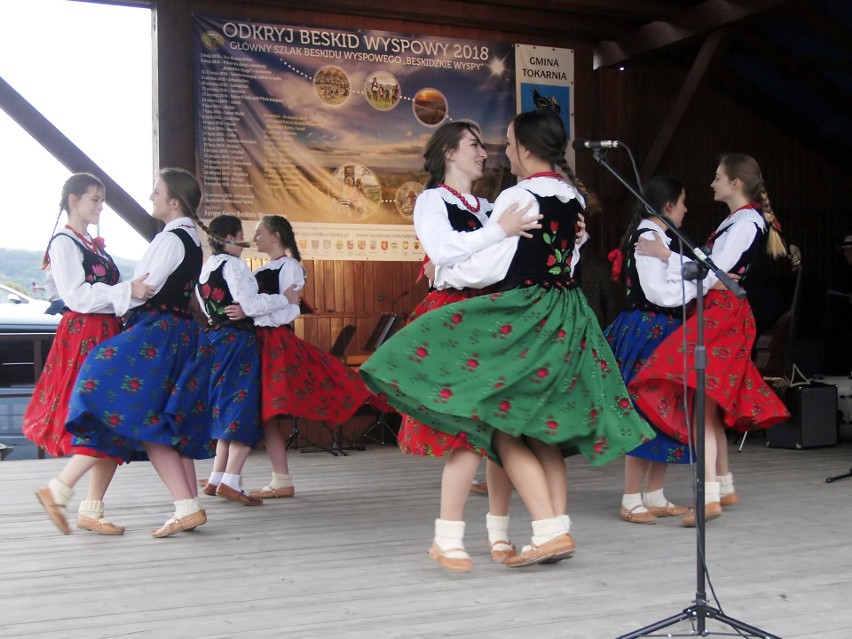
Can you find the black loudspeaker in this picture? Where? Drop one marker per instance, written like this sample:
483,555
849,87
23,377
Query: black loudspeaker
813,418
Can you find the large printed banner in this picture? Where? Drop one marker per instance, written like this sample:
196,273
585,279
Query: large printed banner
327,126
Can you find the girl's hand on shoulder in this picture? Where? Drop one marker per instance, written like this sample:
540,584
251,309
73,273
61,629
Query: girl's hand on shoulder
140,290
653,248
292,295
235,312
514,220
429,270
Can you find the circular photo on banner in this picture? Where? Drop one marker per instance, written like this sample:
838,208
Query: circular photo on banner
356,190
382,90
405,197
332,85
212,40
430,107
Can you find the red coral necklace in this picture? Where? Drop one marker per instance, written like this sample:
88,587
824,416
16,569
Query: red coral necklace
467,205
92,245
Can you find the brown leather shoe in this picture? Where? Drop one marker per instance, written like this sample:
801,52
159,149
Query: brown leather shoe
453,564
175,525
669,510
480,487
712,511
209,489
557,549
56,512
638,518
501,550
237,495
729,500
268,492
100,526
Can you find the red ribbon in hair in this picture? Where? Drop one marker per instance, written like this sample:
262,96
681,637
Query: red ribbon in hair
617,259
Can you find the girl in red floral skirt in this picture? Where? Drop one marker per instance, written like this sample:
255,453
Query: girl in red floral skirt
296,378
86,279
737,396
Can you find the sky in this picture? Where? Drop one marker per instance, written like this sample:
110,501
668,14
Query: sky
88,69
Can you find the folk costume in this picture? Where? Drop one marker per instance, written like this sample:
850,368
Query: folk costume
445,223
298,378
150,382
653,312
732,380
528,359
235,369
86,279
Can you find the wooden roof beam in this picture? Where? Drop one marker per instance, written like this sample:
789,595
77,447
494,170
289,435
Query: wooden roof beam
70,155
698,20
705,62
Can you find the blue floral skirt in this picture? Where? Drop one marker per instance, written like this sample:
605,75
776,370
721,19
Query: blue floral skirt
235,386
633,336
149,383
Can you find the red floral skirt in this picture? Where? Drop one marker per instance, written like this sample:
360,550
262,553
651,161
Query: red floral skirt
45,416
732,381
416,438
301,380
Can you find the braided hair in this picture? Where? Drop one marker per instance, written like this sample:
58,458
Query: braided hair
183,186
659,191
220,228
744,167
279,224
543,133
76,185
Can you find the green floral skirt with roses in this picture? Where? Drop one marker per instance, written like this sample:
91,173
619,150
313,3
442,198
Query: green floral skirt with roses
529,362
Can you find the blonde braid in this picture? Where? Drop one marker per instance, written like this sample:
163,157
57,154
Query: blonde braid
775,246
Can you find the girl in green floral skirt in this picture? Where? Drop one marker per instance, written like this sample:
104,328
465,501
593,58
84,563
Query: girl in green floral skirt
523,373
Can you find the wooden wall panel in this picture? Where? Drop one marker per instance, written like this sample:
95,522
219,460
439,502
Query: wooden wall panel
810,195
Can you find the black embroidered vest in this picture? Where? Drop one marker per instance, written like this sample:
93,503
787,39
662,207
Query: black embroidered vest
99,268
178,289
545,258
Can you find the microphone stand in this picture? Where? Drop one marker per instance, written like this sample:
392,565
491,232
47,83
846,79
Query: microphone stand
700,610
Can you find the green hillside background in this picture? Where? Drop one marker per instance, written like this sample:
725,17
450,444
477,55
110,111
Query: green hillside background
19,268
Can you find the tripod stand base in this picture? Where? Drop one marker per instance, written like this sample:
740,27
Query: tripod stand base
296,435
386,433
829,480
697,614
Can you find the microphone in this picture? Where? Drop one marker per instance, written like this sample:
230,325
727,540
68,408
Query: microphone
585,143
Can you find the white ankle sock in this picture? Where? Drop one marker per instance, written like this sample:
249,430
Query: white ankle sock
231,480
711,492
655,498
631,501
546,529
498,527
91,509
281,480
61,493
215,478
185,507
450,534
726,484
566,522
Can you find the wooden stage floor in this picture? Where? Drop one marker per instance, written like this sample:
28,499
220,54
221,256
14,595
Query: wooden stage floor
347,557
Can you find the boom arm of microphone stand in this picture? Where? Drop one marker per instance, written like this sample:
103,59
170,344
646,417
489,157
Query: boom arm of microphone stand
700,256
